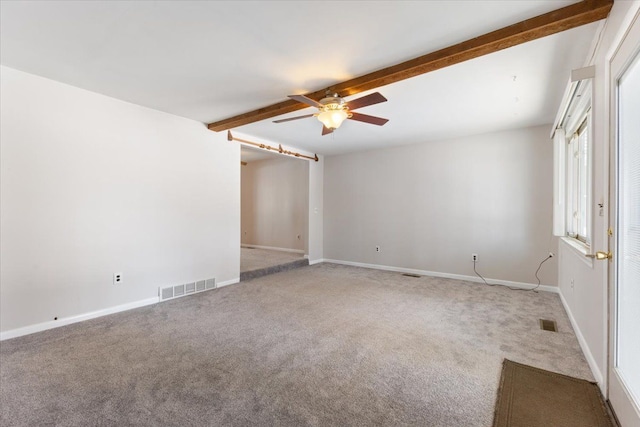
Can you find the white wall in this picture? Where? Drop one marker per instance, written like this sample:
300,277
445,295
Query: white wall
316,210
430,206
585,301
90,186
583,285
275,203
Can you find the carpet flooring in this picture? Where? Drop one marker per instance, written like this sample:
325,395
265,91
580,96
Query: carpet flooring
256,259
535,397
248,275
322,345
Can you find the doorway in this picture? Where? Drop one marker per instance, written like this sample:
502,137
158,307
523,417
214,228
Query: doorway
624,272
274,204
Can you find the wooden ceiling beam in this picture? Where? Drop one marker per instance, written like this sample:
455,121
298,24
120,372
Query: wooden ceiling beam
575,15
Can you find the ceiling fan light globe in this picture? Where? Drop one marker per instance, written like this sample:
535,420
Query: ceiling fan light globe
332,119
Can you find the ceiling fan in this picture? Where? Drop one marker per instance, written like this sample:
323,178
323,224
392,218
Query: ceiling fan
333,110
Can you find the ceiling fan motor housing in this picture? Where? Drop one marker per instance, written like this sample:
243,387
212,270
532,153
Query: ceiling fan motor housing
333,103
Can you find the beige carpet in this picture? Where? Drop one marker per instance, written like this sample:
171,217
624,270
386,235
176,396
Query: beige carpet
323,345
256,259
534,397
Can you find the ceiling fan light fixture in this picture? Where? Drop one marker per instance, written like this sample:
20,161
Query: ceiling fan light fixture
332,118
333,110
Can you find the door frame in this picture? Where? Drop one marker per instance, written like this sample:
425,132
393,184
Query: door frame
625,52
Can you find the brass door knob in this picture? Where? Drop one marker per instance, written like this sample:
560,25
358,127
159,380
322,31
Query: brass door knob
600,255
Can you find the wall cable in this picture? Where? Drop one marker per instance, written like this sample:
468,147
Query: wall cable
534,289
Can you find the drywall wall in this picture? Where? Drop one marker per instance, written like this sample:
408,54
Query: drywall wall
275,203
430,206
316,211
91,185
581,293
583,285
247,208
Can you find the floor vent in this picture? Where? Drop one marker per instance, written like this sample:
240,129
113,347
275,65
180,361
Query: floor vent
548,325
411,275
186,289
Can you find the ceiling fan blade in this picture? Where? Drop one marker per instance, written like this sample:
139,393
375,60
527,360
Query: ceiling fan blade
374,98
326,130
368,119
293,118
305,100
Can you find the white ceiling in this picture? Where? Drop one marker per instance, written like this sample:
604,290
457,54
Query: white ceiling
211,60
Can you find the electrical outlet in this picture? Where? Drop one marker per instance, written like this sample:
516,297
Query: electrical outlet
377,248
474,257
117,278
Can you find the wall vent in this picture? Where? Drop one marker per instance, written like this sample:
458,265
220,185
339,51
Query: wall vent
176,291
548,325
190,287
166,293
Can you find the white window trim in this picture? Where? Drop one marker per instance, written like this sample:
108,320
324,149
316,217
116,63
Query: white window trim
583,114
579,249
574,112
559,183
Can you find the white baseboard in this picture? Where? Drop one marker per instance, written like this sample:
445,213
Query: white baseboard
92,315
228,282
519,285
272,248
583,344
14,333
39,327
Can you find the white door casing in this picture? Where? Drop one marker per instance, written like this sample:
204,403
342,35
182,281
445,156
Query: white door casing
623,369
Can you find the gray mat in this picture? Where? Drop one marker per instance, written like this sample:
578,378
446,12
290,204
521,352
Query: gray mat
534,397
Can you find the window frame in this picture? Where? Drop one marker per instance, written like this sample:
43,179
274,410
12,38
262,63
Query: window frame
578,165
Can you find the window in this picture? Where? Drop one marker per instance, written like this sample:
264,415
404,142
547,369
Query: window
573,167
579,182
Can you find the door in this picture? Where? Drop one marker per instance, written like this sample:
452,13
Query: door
624,276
